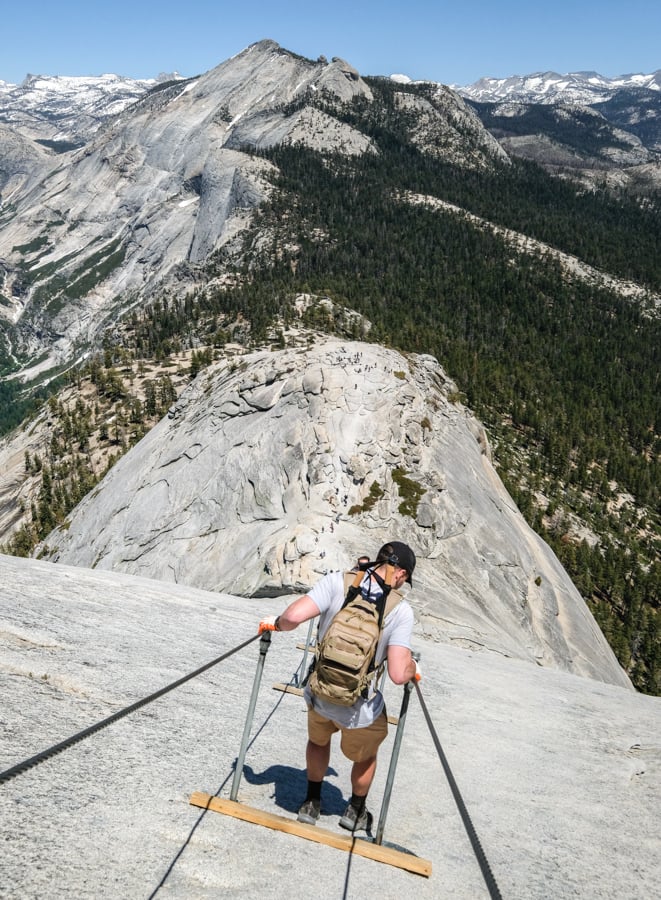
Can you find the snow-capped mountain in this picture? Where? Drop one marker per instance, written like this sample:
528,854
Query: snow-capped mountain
551,87
629,107
67,109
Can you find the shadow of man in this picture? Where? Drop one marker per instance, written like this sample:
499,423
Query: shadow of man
290,785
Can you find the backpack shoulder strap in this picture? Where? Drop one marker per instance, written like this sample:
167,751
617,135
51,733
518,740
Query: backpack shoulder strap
394,597
352,584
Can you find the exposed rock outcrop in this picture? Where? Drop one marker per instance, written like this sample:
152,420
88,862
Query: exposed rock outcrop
447,127
531,749
21,158
277,467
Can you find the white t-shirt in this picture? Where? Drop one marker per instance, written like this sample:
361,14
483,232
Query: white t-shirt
328,595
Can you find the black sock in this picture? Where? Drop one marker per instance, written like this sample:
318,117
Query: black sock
358,802
314,790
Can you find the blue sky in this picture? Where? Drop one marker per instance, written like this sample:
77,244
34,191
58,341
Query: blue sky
452,42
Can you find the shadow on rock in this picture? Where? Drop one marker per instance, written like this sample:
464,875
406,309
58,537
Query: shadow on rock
290,786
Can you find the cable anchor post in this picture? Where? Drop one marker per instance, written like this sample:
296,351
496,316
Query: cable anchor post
394,756
301,672
264,645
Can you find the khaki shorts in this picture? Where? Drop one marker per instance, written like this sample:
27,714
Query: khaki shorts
357,744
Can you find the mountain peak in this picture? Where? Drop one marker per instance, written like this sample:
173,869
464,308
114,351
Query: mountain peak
172,201
266,45
326,450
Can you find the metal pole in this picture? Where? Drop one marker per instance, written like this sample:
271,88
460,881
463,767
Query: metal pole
383,677
408,687
300,674
264,645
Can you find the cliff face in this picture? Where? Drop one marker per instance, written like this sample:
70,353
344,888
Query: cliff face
277,467
162,185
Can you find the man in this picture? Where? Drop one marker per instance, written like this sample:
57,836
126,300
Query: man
363,726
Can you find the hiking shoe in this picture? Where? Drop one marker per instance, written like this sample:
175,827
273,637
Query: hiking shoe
353,821
309,812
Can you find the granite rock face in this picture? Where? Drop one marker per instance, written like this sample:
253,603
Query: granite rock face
440,128
540,757
274,468
167,181
22,158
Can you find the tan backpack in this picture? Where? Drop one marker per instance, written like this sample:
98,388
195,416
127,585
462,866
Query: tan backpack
344,666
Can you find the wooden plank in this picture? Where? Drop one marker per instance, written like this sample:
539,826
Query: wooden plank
348,843
290,689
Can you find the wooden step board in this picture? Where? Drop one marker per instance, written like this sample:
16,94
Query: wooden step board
348,843
290,689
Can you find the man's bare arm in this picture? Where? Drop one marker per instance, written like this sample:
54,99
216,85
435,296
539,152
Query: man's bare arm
401,665
300,610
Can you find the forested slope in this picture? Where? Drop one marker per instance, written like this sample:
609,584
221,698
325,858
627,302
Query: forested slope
564,373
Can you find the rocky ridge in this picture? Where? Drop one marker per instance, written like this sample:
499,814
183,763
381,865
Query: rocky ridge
171,179
573,266
439,127
166,182
168,176
275,468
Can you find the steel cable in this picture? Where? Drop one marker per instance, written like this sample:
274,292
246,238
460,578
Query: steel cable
87,732
494,891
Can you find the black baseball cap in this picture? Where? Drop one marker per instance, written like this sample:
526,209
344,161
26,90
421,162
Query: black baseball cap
398,554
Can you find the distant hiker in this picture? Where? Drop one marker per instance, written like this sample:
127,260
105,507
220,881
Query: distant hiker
361,564
345,698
